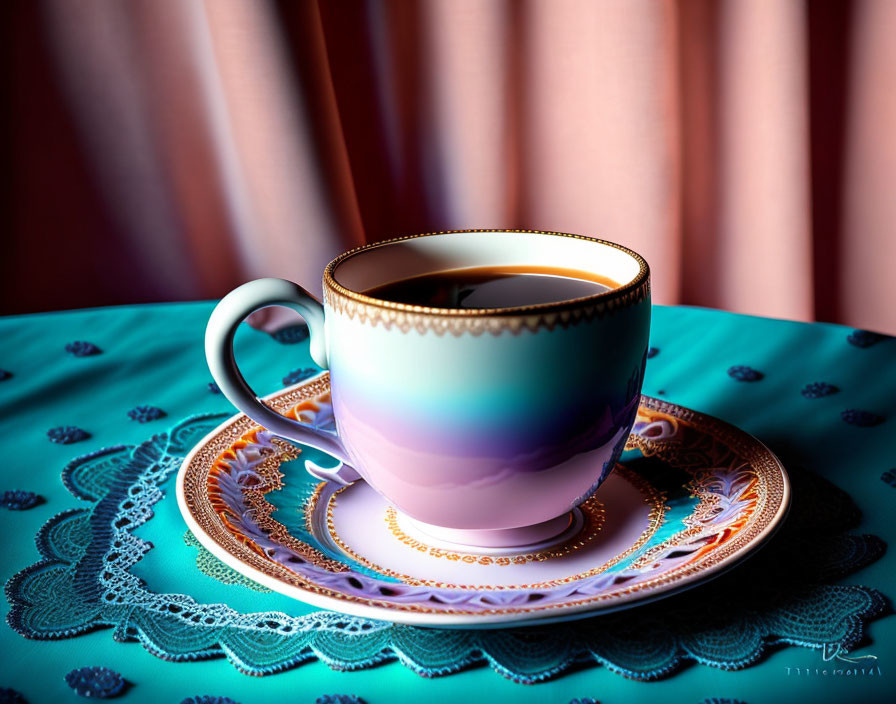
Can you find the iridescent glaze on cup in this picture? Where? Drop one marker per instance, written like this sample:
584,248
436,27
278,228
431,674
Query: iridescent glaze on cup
485,426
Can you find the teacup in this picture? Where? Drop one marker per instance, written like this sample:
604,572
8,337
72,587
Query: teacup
484,426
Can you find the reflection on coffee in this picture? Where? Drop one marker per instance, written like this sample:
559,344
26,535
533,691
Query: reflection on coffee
493,287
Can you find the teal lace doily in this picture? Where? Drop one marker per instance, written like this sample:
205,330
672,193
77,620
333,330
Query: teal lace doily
211,566
783,596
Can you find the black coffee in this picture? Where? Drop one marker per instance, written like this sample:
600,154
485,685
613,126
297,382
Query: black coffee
493,287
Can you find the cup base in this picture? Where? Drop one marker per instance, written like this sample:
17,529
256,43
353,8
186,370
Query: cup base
506,541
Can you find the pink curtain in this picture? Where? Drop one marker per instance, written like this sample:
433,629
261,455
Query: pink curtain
746,148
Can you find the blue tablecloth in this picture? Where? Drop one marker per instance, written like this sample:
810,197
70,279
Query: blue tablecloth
152,356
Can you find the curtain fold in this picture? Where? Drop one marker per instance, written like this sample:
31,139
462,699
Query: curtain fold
746,148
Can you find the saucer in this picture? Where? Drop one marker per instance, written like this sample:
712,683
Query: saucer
691,497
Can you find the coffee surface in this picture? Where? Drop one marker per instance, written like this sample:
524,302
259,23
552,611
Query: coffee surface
493,287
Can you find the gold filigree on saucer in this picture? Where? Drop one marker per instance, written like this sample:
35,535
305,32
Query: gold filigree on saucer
593,511
710,443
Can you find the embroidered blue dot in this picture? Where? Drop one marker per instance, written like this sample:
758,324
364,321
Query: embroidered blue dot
208,699
16,500
11,696
297,375
583,700
214,388
291,335
81,348
4,375
652,352
99,682
818,390
67,434
144,414
862,419
744,373
889,477
338,699
864,338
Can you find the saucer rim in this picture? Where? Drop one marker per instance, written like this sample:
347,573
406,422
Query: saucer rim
553,614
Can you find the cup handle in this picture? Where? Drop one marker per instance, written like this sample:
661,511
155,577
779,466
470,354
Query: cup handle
235,307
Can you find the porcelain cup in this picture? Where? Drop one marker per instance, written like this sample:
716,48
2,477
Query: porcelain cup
486,427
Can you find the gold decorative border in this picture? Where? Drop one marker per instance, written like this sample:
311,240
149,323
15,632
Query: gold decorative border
477,321
595,516
254,496
768,470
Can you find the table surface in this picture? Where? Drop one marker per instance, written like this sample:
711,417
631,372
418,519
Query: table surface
153,355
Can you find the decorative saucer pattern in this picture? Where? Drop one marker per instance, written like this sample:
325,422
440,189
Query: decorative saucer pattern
701,496
364,527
